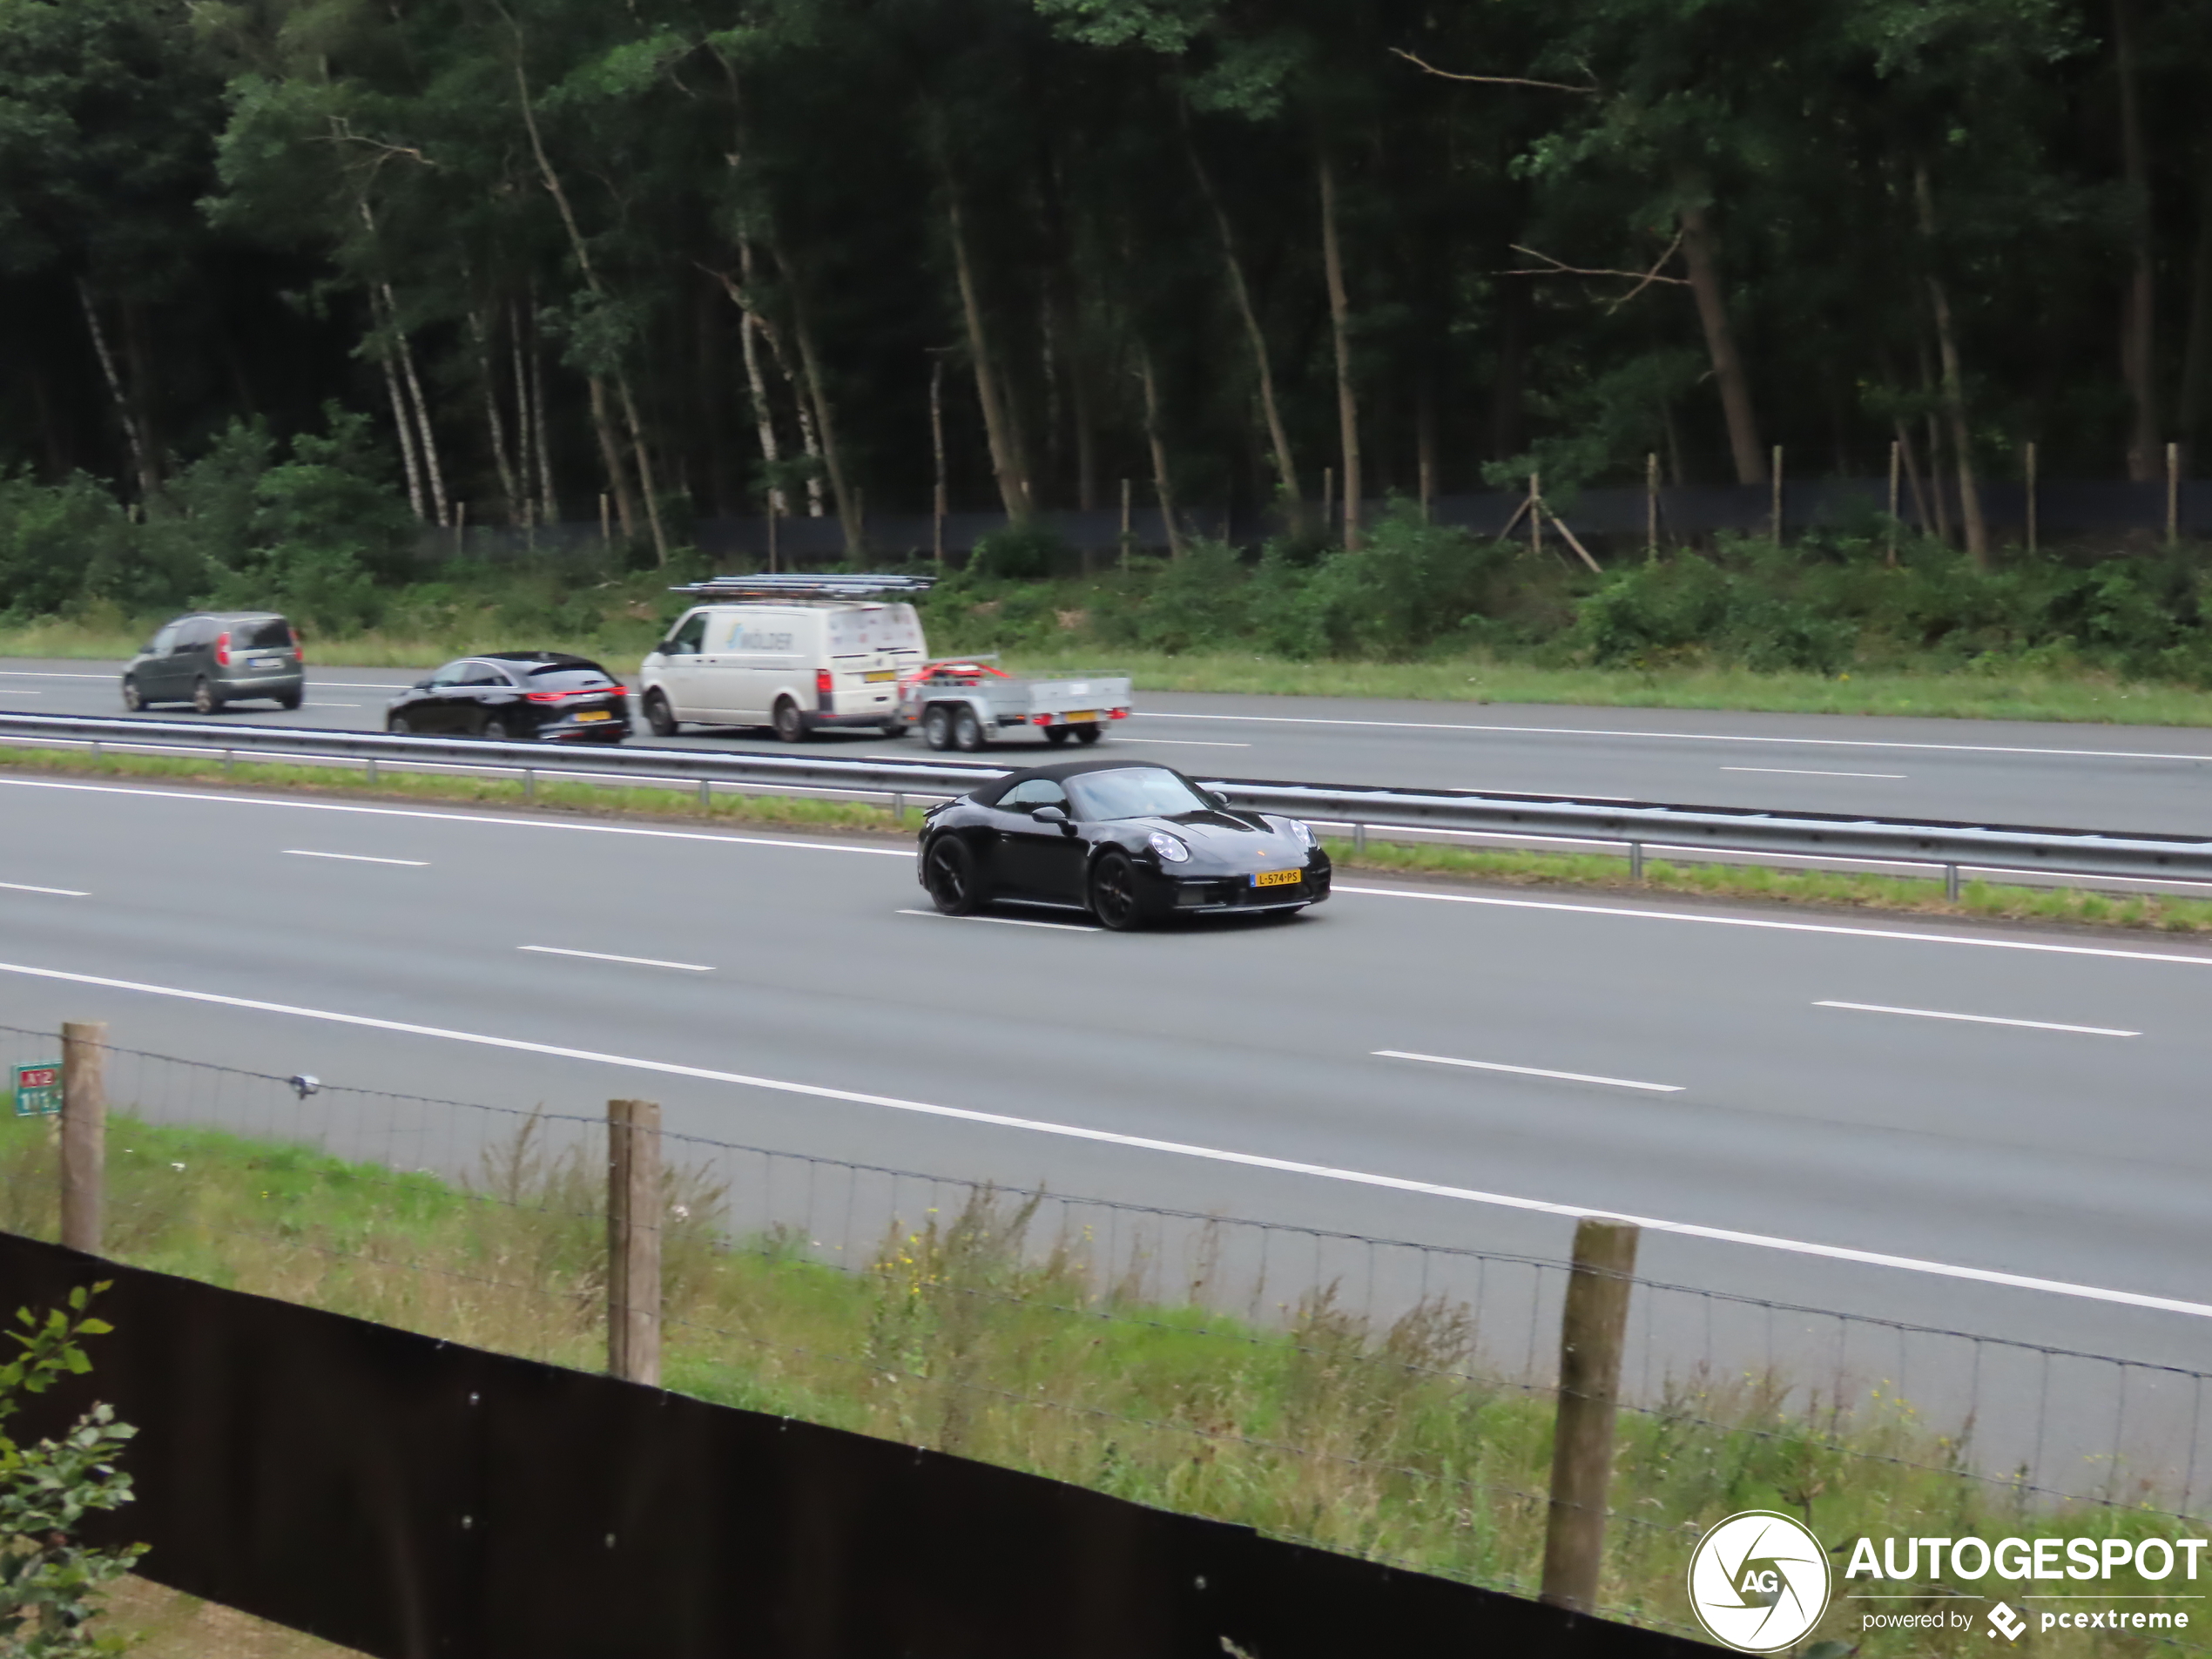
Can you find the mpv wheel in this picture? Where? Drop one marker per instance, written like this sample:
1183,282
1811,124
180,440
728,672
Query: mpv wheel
290,700
937,727
203,698
131,701
968,731
790,726
950,874
657,716
1113,891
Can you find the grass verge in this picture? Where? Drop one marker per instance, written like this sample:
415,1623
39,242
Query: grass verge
966,1332
1979,901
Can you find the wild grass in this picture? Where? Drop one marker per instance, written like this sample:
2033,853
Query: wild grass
971,1333
1985,901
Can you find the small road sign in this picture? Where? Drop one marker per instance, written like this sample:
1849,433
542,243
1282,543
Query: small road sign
38,1088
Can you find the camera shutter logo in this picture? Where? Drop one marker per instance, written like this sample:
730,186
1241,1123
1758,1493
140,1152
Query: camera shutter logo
1758,1582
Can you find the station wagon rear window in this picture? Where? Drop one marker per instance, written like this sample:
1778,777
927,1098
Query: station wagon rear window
272,635
568,677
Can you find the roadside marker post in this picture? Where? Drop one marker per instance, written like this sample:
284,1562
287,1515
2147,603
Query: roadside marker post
38,1090
1592,1329
633,1241
83,1161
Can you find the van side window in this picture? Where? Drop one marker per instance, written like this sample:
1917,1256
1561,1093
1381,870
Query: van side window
686,640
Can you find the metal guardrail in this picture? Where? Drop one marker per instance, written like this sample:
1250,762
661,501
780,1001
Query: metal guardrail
1633,827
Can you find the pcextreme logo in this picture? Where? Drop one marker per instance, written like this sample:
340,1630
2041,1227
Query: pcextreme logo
1758,1582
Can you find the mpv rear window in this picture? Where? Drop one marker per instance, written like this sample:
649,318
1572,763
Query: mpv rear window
551,678
261,635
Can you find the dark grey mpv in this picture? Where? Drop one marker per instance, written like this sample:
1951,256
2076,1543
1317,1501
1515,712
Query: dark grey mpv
213,658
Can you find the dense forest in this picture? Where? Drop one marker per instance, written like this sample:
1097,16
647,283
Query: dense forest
841,255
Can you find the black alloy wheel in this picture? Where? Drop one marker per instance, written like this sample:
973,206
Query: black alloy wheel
399,726
203,698
1090,733
789,724
1056,735
1113,891
937,727
495,729
132,703
949,869
657,716
968,731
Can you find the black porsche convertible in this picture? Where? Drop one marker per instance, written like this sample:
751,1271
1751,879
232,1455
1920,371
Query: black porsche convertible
1129,842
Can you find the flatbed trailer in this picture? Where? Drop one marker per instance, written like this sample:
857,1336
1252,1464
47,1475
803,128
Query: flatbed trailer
965,703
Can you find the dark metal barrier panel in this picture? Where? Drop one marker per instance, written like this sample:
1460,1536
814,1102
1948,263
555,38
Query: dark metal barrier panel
411,1498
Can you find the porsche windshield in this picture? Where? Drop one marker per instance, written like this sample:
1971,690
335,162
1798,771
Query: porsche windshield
1135,792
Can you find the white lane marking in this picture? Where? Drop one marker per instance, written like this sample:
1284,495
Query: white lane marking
58,893
1677,737
1982,1019
1800,771
1190,743
602,956
514,819
334,706
51,674
1529,1071
23,690
1785,927
1141,1143
1004,921
355,858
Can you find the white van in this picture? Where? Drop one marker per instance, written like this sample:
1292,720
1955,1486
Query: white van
799,666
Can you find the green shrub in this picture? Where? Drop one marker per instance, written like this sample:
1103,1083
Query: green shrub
1018,552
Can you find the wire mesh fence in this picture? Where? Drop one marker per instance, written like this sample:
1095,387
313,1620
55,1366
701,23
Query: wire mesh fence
1381,1396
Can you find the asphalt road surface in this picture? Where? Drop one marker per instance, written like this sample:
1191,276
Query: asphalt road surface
2142,779
1902,1122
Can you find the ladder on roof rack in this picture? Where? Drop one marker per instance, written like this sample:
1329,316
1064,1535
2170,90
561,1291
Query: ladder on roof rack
806,587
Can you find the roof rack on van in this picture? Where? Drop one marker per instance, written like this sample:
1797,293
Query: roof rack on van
805,587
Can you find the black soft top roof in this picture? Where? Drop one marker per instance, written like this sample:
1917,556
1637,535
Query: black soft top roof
989,793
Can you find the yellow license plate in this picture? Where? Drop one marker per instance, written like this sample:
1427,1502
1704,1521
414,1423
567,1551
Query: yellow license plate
594,714
878,676
1278,878
1073,716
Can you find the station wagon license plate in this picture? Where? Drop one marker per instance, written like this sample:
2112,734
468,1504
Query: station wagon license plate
879,676
1082,716
1278,878
594,714
268,662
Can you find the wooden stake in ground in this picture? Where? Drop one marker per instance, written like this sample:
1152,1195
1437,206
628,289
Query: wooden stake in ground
1651,505
1535,515
2173,494
633,1240
1591,1333
1894,456
2031,495
1774,475
1573,540
83,1133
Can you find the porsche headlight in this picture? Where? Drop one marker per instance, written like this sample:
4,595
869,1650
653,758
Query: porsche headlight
1169,847
1304,833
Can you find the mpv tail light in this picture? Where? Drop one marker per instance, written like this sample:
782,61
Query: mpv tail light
223,650
298,652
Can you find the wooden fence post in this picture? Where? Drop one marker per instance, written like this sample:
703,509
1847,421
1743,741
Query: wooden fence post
84,1132
1651,506
1592,1329
2031,495
1535,515
2173,494
633,1240
1895,457
1777,519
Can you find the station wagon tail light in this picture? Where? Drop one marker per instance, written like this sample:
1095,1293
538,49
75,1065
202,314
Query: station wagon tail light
223,649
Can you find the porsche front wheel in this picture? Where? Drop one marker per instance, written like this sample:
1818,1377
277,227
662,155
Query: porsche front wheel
949,874
1113,891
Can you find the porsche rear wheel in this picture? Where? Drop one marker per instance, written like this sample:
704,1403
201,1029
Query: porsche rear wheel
1113,891
948,871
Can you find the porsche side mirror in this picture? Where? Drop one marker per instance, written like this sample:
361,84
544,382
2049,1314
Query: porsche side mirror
1220,800
1049,815
419,685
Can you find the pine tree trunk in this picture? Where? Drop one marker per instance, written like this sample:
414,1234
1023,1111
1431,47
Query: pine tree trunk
2138,362
610,457
530,462
1014,489
1152,437
132,436
1701,253
1954,392
2196,357
1271,405
817,399
548,497
751,327
496,425
1340,332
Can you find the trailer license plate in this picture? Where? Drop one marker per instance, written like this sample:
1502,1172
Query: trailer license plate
1088,717
594,714
1278,878
878,676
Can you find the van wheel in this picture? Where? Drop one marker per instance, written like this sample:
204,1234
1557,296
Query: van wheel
1090,733
664,725
132,702
203,698
1055,735
789,724
950,872
968,731
937,727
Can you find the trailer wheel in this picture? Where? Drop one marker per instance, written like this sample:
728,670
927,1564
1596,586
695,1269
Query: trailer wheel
937,727
1090,733
968,731
1055,735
